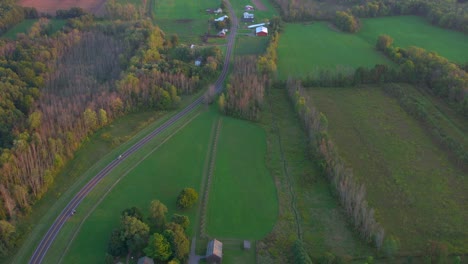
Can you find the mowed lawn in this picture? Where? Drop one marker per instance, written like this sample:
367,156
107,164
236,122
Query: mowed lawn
418,193
242,201
248,45
187,19
304,48
416,31
177,164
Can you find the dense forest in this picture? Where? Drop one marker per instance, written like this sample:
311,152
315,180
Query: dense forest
58,89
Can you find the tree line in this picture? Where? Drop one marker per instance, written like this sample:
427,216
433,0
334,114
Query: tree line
352,194
57,90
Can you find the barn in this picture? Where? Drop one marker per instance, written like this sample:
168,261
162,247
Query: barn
261,31
214,251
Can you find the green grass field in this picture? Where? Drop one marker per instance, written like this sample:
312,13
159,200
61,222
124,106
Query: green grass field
187,19
246,45
178,163
418,194
324,225
416,31
242,202
303,48
25,25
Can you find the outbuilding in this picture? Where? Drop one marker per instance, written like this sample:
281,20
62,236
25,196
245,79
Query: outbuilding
261,31
214,251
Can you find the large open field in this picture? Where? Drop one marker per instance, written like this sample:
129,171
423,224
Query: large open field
178,163
303,48
418,194
242,202
416,31
51,6
187,19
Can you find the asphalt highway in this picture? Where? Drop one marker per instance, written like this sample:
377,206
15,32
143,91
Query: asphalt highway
67,212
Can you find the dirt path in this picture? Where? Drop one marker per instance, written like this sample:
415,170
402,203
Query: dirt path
259,5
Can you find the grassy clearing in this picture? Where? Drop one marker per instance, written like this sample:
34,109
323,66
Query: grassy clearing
303,48
158,176
241,183
417,192
188,19
89,160
321,219
246,45
25,25
136,3
416,31
21,27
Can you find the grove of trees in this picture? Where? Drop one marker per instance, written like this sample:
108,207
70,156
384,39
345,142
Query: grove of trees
244,93
157,239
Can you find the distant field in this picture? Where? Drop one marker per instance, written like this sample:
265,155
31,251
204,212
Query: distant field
416,31
247,45
242,202
186,18
51,6
26,24
417,192
303,48
159,176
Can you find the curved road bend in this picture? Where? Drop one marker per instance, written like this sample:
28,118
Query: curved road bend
49,237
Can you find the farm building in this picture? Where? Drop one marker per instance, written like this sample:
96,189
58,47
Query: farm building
221,18
222,33
145,260
261,31
214,251
248,8
218,11
198,61
257,25
247,17
246,245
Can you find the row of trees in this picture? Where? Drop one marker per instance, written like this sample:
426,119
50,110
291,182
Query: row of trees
429,70
244,93
166,242
351,193
267,63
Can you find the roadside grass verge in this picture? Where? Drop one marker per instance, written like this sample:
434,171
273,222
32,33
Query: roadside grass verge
304,48
416,191
416,31
242,201
162,174
323,223
89,160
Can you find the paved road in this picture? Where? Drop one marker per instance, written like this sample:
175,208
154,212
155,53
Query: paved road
49,237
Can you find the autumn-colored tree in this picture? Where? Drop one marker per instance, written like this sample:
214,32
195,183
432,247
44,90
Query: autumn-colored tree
187,198
157,215
158,248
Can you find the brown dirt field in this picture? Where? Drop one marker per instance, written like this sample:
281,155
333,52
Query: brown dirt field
51,6
259,5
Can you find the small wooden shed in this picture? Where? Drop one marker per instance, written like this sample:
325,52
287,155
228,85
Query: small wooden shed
214,251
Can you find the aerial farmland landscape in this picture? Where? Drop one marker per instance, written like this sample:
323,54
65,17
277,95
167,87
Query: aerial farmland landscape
234,131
